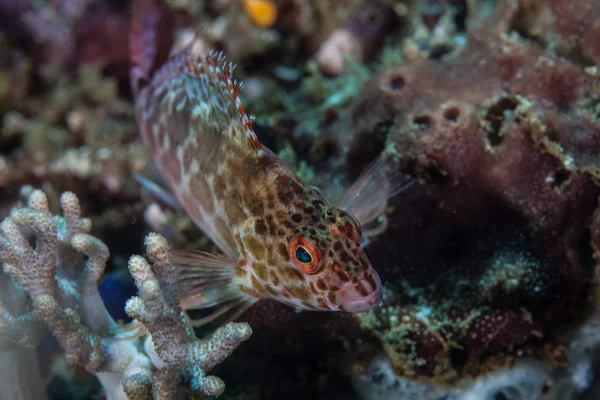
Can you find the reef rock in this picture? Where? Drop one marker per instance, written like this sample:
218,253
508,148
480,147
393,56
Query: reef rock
492,255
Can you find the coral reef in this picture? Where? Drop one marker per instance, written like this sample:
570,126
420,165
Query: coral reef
77,136
569,28
528,379
490,261
496,252
59,293
359,38
63,33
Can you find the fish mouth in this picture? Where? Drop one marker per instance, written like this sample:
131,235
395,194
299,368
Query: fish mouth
357,303
365,304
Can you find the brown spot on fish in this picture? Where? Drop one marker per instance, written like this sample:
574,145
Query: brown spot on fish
260,228
345,257
240,272
254,246
257,209
273,278
299,292
332,297
285,197
283,251
292,274
256,285
281,214
321,285
343,276
260,269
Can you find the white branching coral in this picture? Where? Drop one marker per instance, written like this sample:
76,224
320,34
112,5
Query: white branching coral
186,359
52,285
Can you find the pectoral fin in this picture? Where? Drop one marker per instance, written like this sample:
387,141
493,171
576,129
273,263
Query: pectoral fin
368,197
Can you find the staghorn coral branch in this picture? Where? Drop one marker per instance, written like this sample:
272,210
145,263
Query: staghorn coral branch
46,272
53,284
186,358
17,324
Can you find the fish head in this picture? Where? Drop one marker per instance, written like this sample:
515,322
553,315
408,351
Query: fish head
334,266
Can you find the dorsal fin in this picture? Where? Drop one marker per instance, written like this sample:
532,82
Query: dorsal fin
193,121
209,82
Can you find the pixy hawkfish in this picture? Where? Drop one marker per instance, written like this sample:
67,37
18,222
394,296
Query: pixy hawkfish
280,238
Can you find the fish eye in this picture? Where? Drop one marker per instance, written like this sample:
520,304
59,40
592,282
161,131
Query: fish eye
305,254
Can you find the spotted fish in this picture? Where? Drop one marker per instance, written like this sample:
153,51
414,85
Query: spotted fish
280,238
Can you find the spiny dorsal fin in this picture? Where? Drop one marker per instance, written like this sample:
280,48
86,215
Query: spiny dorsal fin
213,74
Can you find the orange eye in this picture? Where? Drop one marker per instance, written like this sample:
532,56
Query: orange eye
305,254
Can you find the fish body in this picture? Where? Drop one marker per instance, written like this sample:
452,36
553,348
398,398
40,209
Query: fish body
280,238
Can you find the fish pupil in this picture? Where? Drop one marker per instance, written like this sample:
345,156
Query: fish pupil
303,256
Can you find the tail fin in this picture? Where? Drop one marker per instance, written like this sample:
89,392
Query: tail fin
146,48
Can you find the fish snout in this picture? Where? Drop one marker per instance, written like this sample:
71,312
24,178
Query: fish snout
361,296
